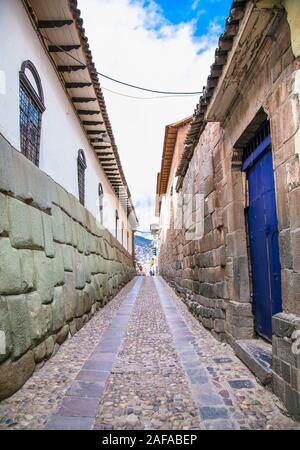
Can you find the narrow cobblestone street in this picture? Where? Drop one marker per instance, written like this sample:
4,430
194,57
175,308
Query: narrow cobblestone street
144,362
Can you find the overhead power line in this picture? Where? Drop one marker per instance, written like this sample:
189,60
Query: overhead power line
147,98
122,82
148,90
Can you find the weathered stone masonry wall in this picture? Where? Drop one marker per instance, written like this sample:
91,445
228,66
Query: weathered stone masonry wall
57,268
213,273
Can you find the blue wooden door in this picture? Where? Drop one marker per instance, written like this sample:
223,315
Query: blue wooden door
263,237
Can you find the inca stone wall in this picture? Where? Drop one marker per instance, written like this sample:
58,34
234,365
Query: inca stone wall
57,268
213,273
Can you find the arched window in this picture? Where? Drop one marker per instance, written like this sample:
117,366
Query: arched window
31,100
101,195
117,219
81,166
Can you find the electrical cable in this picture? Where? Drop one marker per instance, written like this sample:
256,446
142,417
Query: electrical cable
122,82
147,98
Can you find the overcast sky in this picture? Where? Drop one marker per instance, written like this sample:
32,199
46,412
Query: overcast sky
163,45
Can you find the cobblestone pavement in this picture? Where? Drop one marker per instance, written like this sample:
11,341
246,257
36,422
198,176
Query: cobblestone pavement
144,362
32,406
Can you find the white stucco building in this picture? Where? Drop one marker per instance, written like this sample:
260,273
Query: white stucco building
52,108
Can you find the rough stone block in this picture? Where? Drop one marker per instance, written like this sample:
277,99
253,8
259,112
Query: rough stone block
240,332
74,233
284,351
79,323
14,374
37,231
239,309
286,372
80,238
236,244
282,198
79,303
284,325
292,401
87,268
25,225
6,343
57,305
72,326
19,324
241,279
79,271
32,184
286,252
278,386
27,269
68,255
58,226
4,223
294,208
40,317
63,199
69,296
10,269
58,266
44,276
295,379
7,179
49,342
62,335
68,229
39,352
88,296
48,235
295,237
219,325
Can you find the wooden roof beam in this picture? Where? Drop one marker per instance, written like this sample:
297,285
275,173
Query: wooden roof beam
104,153
83,99
95,131
76,85
63,48
92,122
70,68
87,112
54,23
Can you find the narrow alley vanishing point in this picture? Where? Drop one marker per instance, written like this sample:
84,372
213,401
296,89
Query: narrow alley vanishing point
144,362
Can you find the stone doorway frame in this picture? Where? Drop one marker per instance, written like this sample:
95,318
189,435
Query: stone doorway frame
240,314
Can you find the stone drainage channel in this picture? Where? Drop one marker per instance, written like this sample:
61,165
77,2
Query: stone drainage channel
211,405
79,408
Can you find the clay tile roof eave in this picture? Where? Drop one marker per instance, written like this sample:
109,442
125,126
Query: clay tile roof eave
95,80
198,122
168,151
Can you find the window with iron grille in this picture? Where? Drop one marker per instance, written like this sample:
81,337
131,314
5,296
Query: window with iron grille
81,166
260,136
117,219
31,108
101,195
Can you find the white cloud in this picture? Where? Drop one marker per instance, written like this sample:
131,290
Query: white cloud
138,45
195,4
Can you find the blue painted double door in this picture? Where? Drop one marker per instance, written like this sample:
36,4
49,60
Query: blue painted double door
263,238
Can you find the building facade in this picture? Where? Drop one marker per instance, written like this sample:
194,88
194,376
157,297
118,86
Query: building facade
66,215
230,245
